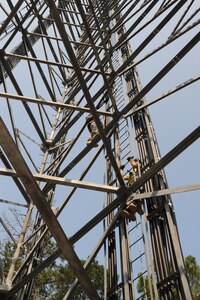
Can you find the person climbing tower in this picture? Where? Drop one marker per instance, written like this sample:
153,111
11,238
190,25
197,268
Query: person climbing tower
131,209
131,177
92,127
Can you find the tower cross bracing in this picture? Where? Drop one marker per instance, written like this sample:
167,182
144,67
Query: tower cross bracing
115,62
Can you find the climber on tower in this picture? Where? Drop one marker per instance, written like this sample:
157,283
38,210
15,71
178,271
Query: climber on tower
92,127
131,177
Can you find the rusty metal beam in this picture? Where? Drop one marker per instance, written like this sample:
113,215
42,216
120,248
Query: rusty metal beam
51,63
65,181
13,203
170,191
52,104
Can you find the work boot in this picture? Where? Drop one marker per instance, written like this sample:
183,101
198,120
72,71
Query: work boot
128,215
133,207
140,210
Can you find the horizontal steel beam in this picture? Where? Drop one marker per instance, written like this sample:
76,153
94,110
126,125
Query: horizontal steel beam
13,203
59,39
64,181
51,63
52,104
73,24
164,192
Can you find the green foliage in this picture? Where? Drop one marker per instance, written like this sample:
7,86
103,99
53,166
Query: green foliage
53,282
56,282
143,287
193,271
7,250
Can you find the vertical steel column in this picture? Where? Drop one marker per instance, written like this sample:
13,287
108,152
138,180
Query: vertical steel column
163,222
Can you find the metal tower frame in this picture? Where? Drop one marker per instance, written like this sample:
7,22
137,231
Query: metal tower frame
60,61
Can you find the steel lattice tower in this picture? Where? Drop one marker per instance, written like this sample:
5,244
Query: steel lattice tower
60,61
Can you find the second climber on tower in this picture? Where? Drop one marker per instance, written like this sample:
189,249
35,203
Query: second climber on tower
131,177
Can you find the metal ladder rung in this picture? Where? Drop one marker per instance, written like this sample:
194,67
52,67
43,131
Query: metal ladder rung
120,100
121,144
137,257
125,148
109,107
118,84
125,155
142,296
123,134
116,64
141,274
124,141
121,106
122,121
122,128
134,227
119,92
113,182
136,241
115,56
